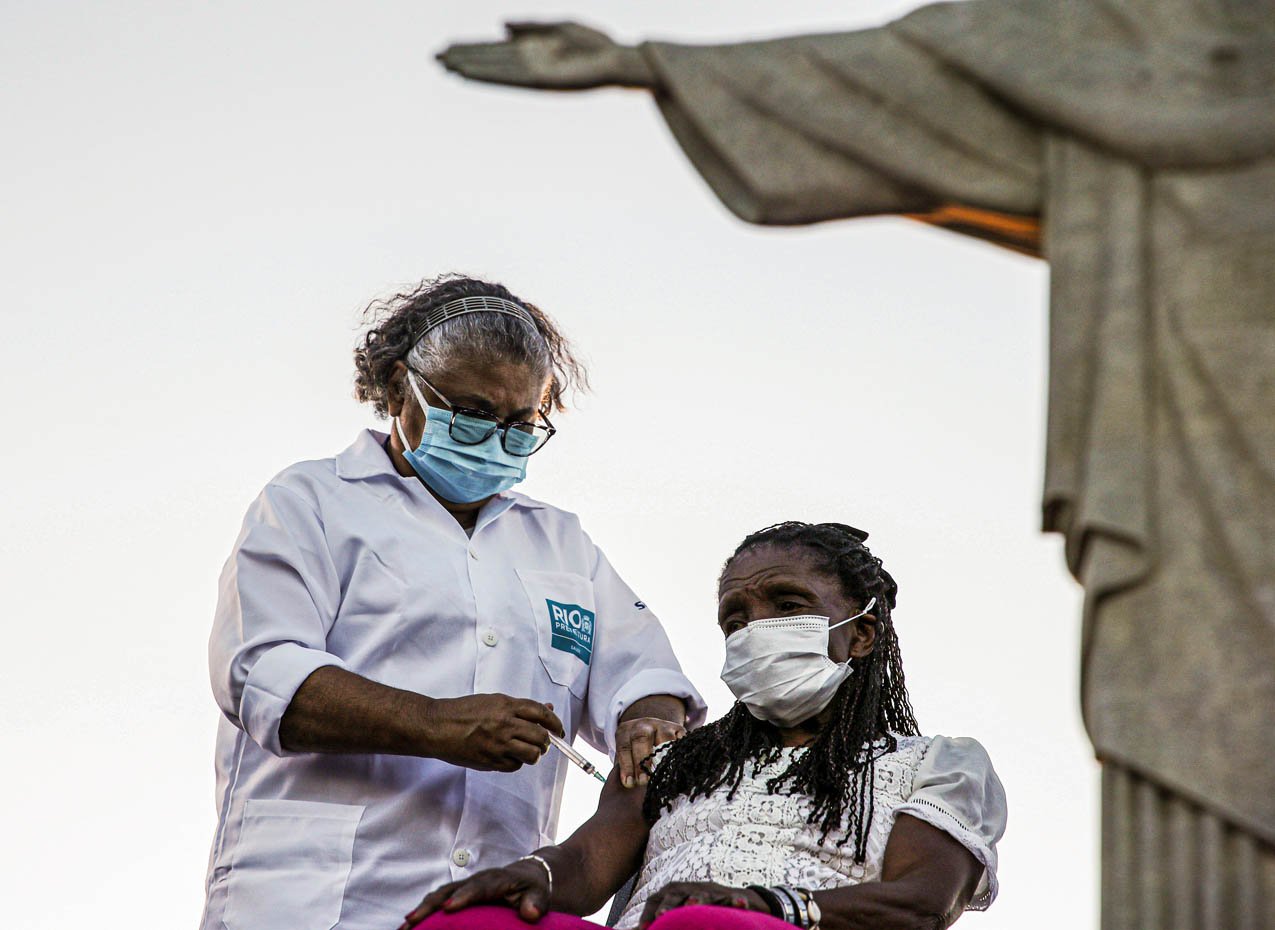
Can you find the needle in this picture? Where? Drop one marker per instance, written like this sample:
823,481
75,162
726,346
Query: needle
578,759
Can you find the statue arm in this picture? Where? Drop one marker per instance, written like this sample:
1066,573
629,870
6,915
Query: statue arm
813,128
799,130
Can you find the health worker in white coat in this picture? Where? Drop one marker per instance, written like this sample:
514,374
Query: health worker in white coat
397,634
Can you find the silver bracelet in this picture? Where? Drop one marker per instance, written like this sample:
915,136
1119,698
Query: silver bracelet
800,916
548,870
787,904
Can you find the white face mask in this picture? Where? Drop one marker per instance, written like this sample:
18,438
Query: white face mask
779,669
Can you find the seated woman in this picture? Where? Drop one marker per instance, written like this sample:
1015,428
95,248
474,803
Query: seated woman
813,802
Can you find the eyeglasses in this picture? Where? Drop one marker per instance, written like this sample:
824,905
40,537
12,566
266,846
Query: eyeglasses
470,427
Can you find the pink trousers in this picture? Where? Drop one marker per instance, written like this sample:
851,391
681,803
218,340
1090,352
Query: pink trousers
694,917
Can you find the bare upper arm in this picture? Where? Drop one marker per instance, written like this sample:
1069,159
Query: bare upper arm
613,840
933,863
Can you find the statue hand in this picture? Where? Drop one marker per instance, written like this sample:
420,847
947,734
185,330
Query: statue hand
553,56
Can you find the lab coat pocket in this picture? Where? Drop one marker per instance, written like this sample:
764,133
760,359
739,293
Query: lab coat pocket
566,623
291,865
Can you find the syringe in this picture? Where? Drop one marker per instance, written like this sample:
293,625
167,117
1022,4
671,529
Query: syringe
578,759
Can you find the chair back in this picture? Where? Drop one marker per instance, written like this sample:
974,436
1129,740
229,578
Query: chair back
621,900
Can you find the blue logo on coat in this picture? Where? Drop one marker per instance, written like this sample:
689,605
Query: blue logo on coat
572,627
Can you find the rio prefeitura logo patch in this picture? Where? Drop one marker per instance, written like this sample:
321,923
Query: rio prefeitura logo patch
572,629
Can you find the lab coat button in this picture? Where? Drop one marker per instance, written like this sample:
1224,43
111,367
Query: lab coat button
461,857
473,554
490,638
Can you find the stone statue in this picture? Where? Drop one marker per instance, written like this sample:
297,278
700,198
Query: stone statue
1131,143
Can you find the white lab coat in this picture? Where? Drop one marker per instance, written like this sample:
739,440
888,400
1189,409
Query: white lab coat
345,562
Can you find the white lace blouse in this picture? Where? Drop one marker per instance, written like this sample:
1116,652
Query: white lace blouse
763,839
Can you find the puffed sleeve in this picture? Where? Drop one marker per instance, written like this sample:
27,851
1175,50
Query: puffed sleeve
633,659
956,790
277,600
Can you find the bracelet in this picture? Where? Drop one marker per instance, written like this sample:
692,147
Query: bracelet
813,913
801,916
548,870
787,907
771,899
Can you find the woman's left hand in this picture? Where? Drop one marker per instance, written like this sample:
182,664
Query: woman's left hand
682,894
636,739
647,722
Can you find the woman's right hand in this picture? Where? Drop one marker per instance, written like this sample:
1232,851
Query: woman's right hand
523,884
489,732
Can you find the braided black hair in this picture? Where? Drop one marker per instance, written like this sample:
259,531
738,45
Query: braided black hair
867,713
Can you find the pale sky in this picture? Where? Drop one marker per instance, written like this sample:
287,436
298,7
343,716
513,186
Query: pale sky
197,201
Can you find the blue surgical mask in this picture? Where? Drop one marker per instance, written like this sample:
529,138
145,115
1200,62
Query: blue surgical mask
456,472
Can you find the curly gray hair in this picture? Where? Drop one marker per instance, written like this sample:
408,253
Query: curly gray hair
396,320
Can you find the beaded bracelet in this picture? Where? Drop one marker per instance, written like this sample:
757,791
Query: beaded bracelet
813,913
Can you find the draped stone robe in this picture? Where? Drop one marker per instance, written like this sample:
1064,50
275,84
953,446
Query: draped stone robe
1132,144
